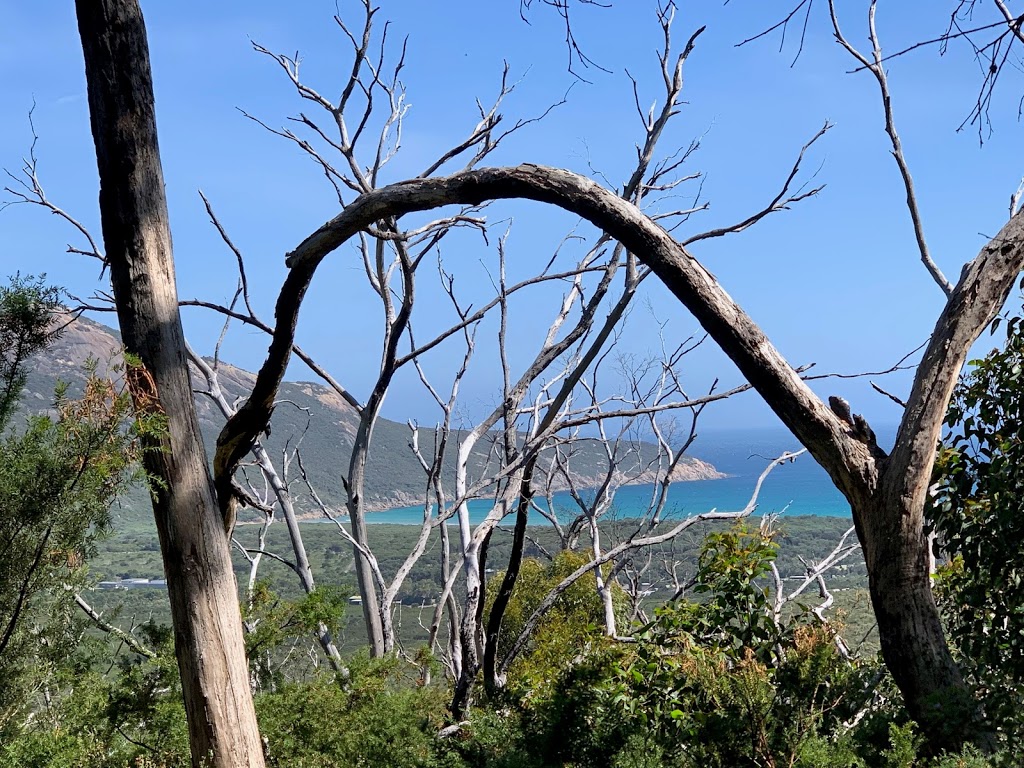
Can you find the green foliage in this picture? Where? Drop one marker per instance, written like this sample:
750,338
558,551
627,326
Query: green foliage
57,480
719,683
710,683
978,513
971,758
58,477
381,718
143,701
574,621
904,745
273,623
736,616
132,716
27,309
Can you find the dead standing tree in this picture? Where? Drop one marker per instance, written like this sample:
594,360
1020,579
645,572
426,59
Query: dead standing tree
885,491
391,258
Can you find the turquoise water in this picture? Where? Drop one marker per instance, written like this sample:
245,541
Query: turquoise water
799,488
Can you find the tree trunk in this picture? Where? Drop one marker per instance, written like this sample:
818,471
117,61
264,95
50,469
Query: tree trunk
357,520
492,681
913,641
203,594
469,631
604,587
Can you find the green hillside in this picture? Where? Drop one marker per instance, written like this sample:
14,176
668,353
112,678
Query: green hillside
310,415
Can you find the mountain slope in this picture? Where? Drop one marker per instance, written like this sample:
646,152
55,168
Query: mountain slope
309,415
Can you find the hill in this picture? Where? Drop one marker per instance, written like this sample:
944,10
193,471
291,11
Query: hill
313,416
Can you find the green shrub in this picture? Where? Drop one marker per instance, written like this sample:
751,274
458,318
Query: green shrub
380,719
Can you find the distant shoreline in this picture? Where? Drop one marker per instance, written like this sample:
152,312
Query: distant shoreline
542,523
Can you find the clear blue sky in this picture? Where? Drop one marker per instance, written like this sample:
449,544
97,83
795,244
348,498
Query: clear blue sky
836,281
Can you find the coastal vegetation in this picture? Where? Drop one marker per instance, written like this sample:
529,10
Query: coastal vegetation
553,628
721,670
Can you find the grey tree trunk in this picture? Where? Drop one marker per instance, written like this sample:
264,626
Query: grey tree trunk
913,643
204,599
364,574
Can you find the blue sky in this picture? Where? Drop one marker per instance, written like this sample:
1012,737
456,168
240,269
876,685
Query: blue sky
835,281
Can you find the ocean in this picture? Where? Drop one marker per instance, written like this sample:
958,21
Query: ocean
797,488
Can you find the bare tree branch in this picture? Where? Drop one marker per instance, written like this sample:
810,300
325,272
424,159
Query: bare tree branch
634,543
874,65
126,637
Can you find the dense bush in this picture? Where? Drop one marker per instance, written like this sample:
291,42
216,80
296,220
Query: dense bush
131,716
978,513
573,622
59,473
711,682
381,718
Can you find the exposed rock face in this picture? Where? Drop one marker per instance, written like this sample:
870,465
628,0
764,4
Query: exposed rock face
685,471
314,417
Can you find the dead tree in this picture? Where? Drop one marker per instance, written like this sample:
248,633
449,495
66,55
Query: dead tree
282,498
886,491
391,256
